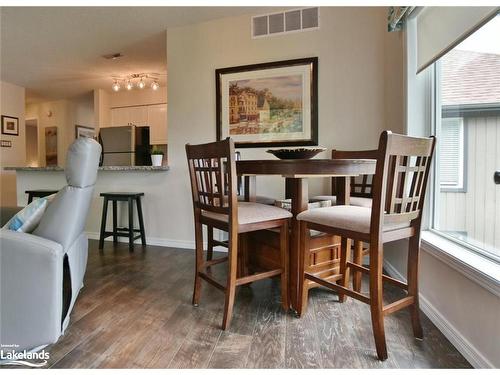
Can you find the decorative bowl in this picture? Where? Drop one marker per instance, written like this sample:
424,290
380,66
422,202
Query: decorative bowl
296,153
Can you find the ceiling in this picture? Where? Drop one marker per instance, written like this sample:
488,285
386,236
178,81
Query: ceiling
56,52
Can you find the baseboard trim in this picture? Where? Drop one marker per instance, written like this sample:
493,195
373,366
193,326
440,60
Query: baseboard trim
469,351
157,241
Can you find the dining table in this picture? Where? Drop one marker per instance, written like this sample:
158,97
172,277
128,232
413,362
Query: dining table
297,173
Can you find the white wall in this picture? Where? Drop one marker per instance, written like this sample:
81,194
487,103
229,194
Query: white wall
466,312
102,114
12,104
350,46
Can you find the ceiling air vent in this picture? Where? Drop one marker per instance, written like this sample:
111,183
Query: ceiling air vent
285,22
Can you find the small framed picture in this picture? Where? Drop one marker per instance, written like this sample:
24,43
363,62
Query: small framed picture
84,131
10,125
270,104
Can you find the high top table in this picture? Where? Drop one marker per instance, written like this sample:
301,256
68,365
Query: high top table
296,174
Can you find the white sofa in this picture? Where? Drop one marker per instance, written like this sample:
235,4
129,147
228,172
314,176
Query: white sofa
41,273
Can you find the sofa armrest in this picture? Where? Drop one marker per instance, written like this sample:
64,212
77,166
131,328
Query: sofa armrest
31,272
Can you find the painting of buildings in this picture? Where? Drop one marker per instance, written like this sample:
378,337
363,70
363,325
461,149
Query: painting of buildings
265,105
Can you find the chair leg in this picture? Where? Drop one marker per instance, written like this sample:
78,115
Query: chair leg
210,242
345,252
376,299
358,259
231,278
243,255
285,301
115,214
103,222
130,225
303,267
413,262
198,234
141,221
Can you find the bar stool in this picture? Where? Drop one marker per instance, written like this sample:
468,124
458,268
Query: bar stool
40,193
122,232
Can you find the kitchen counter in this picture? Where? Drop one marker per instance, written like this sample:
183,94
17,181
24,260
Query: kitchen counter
147,168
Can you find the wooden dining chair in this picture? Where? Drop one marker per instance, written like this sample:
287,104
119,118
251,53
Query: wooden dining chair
360,195
399,185
212,171
211,241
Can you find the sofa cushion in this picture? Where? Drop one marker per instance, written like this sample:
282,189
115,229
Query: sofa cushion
30,216
249,212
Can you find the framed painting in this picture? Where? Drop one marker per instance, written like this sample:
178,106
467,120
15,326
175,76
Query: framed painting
269,105
10,125
84,131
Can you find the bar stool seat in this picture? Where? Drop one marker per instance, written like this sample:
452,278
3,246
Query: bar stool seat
129,231
39,193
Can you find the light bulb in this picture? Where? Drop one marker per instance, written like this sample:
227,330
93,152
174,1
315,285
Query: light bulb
155,85
115,86
129,86
141,84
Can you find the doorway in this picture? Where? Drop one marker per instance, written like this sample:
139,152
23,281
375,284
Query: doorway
32,143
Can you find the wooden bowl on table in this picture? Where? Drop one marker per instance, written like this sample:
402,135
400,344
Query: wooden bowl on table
296,153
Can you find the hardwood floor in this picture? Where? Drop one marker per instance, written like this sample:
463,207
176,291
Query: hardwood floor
135,312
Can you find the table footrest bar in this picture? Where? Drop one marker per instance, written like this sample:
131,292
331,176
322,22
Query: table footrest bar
211,281
213,262
258,276
338,288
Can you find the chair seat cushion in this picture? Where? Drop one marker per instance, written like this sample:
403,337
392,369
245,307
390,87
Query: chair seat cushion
355,201
249,212
353,218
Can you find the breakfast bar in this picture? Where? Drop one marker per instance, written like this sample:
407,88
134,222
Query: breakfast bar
147,179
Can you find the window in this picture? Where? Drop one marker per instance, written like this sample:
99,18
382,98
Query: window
467,101
452,155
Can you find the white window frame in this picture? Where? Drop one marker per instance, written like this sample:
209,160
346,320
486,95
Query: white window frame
422,119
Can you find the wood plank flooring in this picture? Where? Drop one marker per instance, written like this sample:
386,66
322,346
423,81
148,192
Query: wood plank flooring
135,312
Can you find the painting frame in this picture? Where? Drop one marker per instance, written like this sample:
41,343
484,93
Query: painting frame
80,131
309,101
15,131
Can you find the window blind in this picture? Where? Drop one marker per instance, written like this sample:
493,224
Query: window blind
451,153
439,29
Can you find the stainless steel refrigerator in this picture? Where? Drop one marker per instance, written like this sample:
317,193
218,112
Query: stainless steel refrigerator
125,145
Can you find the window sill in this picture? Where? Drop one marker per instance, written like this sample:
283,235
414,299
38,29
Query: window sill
473,266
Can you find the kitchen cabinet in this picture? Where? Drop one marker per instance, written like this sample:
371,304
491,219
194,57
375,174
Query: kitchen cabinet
138,116
157,121
154,116
122,116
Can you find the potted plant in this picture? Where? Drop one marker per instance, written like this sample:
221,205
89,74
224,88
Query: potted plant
156,156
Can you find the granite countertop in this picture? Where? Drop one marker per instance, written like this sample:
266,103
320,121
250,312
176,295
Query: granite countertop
146,168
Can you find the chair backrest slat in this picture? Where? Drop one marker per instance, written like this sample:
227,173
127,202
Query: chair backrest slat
361,186
212,172
403,167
